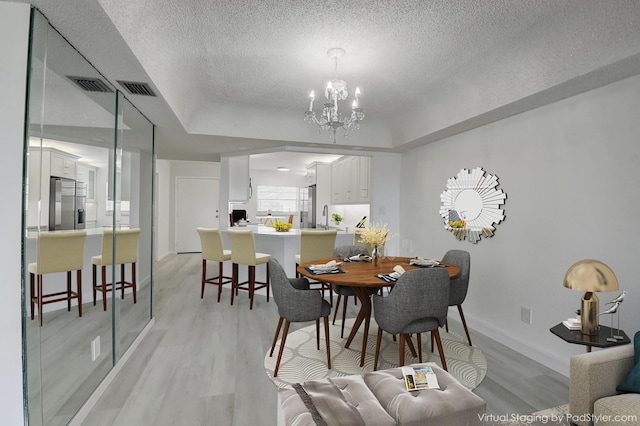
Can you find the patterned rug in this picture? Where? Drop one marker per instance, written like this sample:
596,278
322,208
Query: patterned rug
301,361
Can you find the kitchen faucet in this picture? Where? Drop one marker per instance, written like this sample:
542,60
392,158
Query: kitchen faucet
325,213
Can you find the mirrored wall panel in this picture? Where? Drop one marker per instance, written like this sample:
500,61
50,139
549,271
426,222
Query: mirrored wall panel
89,158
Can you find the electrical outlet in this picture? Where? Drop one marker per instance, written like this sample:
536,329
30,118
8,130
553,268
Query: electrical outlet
525,315
95,348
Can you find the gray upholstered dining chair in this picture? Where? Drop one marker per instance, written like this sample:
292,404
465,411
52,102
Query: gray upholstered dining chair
297,303
459,284
418,303
342,290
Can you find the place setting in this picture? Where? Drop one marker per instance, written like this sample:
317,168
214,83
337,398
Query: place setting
331,267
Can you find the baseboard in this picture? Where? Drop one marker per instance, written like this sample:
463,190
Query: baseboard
555,362
82,413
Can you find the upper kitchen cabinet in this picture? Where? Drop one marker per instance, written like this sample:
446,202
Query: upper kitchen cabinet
350,180
318,173
63,164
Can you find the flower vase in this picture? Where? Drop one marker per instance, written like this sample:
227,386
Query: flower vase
375,255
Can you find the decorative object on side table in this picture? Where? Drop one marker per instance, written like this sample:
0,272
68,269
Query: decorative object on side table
590,276
615,309
375,235
282,226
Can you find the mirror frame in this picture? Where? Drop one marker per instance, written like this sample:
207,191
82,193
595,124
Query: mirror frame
470,205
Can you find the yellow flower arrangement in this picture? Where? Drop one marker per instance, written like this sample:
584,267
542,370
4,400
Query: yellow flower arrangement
375,234
282,226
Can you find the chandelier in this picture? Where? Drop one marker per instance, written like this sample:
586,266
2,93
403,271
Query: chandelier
336,90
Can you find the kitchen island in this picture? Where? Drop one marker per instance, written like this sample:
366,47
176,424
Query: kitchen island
283,246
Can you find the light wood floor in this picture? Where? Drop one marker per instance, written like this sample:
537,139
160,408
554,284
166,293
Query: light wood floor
202,363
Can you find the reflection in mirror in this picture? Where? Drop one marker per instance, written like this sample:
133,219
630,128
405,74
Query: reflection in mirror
133,201
72,138
471,204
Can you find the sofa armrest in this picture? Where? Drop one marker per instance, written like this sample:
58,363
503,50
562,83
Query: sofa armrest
595,375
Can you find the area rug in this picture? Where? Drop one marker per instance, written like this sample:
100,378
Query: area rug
556,416
301,361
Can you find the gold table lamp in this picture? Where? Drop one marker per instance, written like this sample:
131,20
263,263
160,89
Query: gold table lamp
590,276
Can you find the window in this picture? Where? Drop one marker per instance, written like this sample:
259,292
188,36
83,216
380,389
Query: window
277,198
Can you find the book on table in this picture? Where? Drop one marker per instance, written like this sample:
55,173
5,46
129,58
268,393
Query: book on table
418,378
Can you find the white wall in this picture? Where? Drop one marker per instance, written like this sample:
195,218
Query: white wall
570,172
14,21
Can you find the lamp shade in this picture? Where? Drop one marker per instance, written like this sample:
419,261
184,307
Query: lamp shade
591,276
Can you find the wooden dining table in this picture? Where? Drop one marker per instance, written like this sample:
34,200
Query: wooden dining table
362,276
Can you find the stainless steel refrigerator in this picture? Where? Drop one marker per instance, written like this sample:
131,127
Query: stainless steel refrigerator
67,200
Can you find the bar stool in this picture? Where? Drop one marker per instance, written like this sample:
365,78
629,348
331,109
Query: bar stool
126,252
57,252
213,250
243,252
316,245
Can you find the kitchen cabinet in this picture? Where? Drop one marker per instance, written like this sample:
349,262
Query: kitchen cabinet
350,180
87,174
63,164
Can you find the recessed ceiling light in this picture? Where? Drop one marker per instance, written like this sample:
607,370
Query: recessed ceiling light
283,169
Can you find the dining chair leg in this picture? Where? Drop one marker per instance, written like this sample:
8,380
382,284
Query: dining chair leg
464,323
318,334
335,311
431,342
401,348
440,350
377,355
446,325
412,348
284,339
275,338
419,338
327,341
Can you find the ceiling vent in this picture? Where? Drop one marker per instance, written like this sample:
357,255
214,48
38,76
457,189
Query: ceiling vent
136,88
91,84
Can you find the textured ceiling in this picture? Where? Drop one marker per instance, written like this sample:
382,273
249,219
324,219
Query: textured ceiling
237,74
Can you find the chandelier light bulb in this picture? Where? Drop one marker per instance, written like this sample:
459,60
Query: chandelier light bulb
312,96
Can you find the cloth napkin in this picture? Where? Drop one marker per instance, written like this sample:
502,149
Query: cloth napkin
359,258
332,264
419,261
397,272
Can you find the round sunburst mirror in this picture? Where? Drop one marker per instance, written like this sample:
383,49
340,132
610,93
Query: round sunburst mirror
471,204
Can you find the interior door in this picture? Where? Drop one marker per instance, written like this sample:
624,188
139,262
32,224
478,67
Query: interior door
197,205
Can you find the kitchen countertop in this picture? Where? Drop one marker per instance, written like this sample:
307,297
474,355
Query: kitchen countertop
270,231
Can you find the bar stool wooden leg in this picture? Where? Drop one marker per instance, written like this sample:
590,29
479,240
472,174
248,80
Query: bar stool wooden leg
79,284
123,281
93,274
252,284
234,280
220,272
31,293
103,289
134,283
68,291
40,299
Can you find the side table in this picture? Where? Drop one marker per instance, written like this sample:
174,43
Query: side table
599,340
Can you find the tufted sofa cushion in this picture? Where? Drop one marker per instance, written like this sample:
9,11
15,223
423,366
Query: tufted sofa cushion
451,405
